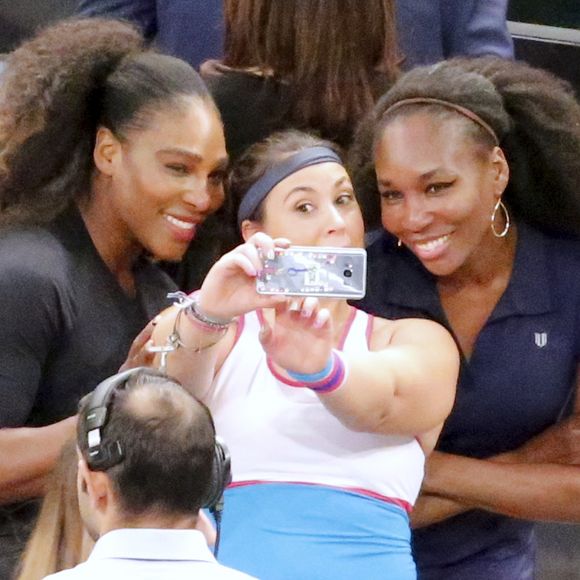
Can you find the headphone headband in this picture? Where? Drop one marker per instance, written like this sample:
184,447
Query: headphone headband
101,455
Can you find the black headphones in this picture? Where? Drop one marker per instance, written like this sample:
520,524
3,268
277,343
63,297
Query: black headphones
101,456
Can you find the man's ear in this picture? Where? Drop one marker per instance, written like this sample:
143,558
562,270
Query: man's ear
107,150
249,228
95,484
501,172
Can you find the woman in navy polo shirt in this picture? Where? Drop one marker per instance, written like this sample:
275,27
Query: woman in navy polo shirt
477,168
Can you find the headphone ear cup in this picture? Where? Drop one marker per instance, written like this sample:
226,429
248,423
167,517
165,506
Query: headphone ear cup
221,475
105,456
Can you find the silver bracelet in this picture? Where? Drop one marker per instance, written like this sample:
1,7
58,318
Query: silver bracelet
191,306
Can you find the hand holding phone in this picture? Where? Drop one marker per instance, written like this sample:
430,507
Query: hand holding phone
314,271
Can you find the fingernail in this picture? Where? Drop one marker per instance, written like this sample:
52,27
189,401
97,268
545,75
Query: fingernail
294,306
271,254
320,320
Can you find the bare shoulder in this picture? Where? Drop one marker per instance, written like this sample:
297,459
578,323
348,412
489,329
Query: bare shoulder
411,331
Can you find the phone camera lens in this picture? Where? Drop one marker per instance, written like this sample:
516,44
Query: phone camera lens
347,273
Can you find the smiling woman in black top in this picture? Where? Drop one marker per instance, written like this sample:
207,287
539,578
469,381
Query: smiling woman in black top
109,155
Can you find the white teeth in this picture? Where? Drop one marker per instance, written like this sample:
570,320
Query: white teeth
432,244
179,223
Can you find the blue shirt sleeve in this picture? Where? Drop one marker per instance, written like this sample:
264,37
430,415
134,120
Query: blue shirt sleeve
475,28
141,12
188,29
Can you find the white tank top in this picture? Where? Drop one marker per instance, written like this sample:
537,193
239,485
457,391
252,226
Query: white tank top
279,433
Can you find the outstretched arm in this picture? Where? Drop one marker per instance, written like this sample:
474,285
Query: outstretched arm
407,388
227,292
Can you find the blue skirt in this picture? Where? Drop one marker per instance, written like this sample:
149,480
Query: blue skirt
287,531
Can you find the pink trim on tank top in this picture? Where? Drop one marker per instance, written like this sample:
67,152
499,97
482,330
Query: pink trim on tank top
346,329
369,333
239,329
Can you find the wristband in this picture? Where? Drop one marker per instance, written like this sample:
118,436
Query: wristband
332,377
313,377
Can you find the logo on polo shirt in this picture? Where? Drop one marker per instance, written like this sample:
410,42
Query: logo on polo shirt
541,339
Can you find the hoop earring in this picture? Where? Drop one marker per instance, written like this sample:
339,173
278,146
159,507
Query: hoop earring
506,228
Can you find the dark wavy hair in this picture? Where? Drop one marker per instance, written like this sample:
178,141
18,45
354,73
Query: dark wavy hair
328,52
534,114
56,90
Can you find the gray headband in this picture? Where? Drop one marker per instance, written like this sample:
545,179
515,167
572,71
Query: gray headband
275,174
454,106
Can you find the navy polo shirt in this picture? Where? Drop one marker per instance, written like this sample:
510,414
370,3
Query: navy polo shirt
519,380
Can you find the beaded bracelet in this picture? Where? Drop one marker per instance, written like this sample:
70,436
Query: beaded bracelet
329,379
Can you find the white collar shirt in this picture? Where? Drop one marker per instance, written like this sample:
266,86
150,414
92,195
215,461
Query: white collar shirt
149,554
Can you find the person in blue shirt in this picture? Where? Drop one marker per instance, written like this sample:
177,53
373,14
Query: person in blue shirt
476,168
428,31
189,29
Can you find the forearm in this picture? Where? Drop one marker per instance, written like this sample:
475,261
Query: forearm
430,509
529,491
27,455
194,360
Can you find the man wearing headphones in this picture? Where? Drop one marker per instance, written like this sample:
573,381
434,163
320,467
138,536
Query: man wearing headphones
149,461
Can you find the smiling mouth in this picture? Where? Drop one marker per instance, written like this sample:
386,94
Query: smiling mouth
430,248
432,244
181,224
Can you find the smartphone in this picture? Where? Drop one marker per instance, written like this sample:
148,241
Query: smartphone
315,271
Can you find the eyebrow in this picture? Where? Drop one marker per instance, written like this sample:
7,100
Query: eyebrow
423,177
179,151
221,165
305,188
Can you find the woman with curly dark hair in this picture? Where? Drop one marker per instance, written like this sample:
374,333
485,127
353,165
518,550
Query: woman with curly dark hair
476,165
110,155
